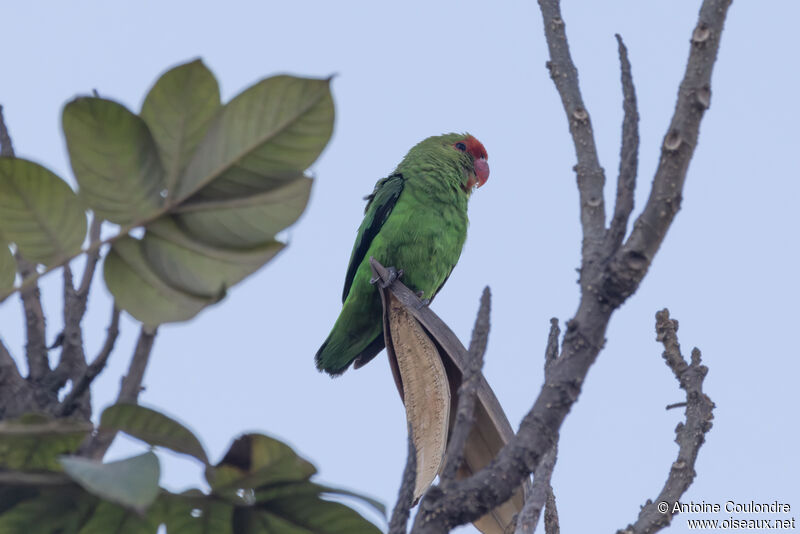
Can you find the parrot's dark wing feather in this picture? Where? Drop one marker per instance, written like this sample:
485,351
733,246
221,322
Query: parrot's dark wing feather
379,205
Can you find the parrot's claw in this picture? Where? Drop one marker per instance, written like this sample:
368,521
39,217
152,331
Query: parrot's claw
394,274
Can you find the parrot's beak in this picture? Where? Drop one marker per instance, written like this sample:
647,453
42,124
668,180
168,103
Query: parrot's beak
481,171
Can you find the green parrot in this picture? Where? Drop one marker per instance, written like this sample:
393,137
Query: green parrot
415,221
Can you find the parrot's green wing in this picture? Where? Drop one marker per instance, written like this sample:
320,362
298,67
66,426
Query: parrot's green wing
379,205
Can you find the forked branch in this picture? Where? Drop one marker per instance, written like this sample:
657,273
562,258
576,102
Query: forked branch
690,435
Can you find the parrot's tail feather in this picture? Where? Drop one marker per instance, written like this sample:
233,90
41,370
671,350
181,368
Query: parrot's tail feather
370,352
334,359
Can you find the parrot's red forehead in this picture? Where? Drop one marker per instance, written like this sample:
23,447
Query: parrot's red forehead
475,148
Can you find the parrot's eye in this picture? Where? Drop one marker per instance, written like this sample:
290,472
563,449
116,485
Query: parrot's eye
461,146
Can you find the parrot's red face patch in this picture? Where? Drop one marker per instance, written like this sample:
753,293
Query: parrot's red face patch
475,149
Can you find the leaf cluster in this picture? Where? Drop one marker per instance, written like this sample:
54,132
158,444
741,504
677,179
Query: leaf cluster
260,486
211,185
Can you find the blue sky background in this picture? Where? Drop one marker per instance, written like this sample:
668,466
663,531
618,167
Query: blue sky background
727,269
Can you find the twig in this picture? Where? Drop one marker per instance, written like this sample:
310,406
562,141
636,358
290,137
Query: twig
6,146
529,516
591,177
405,496
128,392
690,435
551,525
467,391
95,368
32,478
91,260
613,284
551,350
628,157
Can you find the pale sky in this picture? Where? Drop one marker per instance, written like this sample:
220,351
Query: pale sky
727,269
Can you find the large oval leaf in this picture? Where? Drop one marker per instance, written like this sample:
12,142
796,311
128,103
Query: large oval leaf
132,482
114,159
39,212
269,133
35,441
52,511
247,221
141,292
197,268
305,515
254,461
306,489
195,514
153,428
179,109
108,518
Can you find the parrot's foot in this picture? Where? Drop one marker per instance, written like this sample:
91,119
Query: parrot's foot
394,274
422,301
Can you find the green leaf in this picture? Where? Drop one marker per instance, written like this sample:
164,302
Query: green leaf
35,441
61,511
198,268
8,269
308,489
245,221
255,460
39,212
114,159
109,518
11,495
187,514
141,292
153,428
269,133
304,515
132,482
179,109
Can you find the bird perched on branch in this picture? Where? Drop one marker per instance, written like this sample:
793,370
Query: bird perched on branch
416,221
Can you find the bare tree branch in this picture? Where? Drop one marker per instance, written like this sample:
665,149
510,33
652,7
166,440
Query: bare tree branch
630,264
628,157
95,368
591,177
36,346
600,294
529,516
15,391
72,363
128,392
405,496
8,368
690,435
467,391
